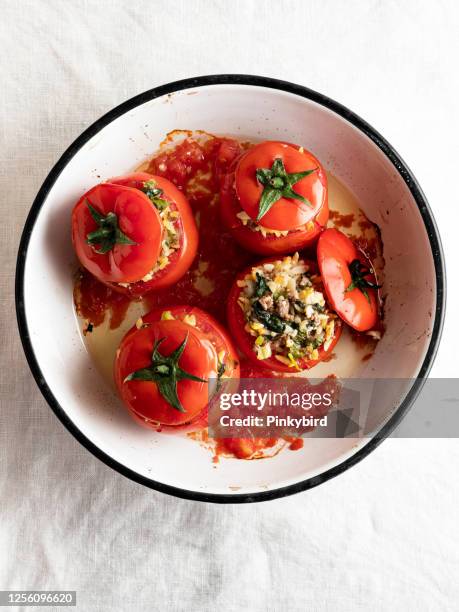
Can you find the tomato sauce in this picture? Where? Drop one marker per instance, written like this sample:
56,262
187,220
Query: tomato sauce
196,169
296,444
94,300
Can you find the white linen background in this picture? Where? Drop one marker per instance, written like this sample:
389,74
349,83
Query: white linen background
383,535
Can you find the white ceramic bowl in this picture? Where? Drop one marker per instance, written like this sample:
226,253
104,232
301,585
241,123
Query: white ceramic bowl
252,108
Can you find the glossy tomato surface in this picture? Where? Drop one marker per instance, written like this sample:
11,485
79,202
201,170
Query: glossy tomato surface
270,244
136,218
286,213
209,326
206,340
244,341
335,254
182,258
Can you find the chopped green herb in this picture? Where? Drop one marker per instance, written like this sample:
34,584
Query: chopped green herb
270,320
261,286
221,369
153,193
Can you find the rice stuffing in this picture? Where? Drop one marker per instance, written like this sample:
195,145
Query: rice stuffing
285,311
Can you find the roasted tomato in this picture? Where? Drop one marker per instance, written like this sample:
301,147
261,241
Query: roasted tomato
116,233
274,200
180,238
169,363
278,315
349,280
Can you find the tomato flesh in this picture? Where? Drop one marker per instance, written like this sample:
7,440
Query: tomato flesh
335,251
286,213
186,160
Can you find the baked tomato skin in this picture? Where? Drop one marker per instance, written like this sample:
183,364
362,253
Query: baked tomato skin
286,213
206,341
208,325
244,341
135,217
335,254
182,258
254,241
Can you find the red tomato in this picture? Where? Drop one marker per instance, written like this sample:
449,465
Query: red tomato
181,259
204,346
122,209
342,264
244,341
270,244
287,213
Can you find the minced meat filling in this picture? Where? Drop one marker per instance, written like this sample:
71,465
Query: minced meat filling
285,313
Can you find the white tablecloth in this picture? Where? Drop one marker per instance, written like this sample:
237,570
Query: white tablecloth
382,536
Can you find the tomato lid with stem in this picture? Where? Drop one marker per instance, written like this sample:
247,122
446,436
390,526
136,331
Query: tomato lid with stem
165,369
349,280
279,185
117,233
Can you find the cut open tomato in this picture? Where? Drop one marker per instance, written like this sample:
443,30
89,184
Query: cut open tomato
245,341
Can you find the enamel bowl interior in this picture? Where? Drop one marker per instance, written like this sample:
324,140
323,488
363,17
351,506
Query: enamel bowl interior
252,113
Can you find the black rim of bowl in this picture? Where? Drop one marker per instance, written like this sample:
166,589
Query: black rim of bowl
402,169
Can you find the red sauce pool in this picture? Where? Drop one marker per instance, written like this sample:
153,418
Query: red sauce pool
94,300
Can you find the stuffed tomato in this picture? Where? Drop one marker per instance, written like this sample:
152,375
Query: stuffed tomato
274,200
278,315
135,233
168,365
